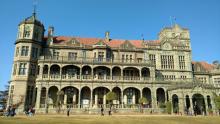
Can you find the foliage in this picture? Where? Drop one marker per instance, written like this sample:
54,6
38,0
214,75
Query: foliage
168,107
143,100
217,101
162,105
110,96
4,97
58,102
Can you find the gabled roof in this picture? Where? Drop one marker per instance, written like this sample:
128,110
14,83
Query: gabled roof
203,65
114,43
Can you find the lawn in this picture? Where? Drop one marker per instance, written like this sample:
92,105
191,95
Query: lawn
115,119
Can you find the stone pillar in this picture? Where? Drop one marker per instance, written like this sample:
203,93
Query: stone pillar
91,99
74,97
206,104
141,93
48,71
79,100
92,73
104,98
96,98
121,78
122,100
37,105
154,98
110,74
125,99
41,70
80,74
181,104
191,105
65,100
140,75
133,97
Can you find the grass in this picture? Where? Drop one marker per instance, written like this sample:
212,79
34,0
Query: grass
115,119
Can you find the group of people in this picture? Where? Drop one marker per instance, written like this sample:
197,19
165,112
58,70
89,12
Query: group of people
10,111
109,112
30,111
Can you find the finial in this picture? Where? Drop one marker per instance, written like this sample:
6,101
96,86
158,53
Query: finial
34,8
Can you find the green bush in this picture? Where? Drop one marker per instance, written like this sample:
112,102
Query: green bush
168,107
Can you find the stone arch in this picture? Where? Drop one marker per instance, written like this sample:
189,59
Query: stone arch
85,96
71,96
100,96
116,73
86,72
131,73
146,93
70,72
55,69
198,104
101,72
131,95
145,72
175,103
52,95
160,96
45,69
117,91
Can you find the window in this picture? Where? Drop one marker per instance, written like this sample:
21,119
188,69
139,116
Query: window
100,56
181,62
14,69
123,58
169,77
32,70
152,59
22,68
24,50
17,51
34,52
130,58
26,33
55,55
126,58
217,82
72,55
167,62
182,77
202,79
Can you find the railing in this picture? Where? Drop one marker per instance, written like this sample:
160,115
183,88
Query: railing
92,60
114,78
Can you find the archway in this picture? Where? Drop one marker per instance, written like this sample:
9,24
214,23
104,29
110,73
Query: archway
131,96
100,96
131,73
116,73
187,105
85,97
198,104
160,96
175,103
70,96
147,94
117,91
145,72
52,96
70,72
209,102
101,72
86,72
55,71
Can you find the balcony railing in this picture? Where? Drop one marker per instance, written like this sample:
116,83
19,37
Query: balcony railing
111,78
92,60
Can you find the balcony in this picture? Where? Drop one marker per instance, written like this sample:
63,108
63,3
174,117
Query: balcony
80,60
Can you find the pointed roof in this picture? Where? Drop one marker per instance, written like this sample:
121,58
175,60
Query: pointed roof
32,20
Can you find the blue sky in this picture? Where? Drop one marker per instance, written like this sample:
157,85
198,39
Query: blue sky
125,19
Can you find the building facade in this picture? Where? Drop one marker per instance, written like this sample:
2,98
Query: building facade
51,71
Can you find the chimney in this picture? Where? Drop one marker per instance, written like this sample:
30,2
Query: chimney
50,35
107,38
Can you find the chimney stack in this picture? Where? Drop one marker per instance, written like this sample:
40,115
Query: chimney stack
107,38
50,35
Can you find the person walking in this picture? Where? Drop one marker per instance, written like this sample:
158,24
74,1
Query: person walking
102,111
68,111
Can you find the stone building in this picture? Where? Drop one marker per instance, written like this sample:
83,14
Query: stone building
77,72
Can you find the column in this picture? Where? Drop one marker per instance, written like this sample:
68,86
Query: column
92,74
206,104
38,97
46,101
122,101
110,74
60,73
96,98
191,105
91,99
65,100
74,97
154,98
133,97
140,74
41,71
48,72
80,74
79,100
104,98
125,99
121,78
141,93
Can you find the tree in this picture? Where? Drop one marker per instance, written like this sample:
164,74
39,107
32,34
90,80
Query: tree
110,96
168,107
4,97
58,102
142,101
217,102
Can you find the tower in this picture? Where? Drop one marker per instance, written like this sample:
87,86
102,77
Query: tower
24,71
